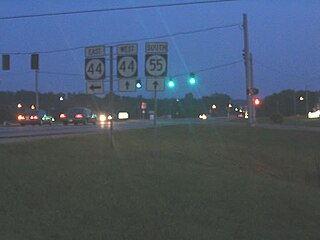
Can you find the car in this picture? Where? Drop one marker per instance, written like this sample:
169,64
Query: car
78,115
35,117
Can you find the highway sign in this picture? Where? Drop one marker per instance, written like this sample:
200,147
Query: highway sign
156,65
127,85
95,51
157,84
95,87
127,61
95,68
156,48
156,59
127,66
127,49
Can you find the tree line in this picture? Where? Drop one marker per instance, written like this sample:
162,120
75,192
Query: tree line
286,103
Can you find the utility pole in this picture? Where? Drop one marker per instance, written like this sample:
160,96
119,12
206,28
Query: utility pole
111,96
247,70
294,103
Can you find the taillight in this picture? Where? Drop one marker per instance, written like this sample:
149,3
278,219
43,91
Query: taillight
62,115
78,116
34,117
21,117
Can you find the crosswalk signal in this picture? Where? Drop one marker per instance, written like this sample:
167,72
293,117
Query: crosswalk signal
192,79
5,62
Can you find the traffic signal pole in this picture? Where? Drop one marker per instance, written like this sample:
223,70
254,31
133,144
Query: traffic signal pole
251,94
37,88
248,72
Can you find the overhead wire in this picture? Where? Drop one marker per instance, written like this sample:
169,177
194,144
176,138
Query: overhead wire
115,9
175,75
133,40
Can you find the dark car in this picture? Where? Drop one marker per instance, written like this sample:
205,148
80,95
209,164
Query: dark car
35,117
78,115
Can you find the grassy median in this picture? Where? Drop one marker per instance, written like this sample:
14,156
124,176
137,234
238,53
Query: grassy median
200,182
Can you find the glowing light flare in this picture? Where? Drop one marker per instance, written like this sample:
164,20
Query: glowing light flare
203,116
256,101
21,117
62,116
123,115
102,118
78,116
313,115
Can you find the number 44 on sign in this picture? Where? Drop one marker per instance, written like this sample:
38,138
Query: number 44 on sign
95,69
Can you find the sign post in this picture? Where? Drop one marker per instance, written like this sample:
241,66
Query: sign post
156,65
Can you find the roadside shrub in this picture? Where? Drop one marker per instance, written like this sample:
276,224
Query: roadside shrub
276,118
6,114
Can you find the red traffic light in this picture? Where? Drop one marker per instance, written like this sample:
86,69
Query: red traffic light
256,101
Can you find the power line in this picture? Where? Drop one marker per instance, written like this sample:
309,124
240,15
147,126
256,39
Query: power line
210,68
176,75
135,40
115,9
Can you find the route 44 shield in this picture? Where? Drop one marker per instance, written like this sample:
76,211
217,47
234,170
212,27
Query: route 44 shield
127,66
95,68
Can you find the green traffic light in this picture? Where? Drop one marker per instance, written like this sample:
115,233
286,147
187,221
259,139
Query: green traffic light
138,84
171,83
192,79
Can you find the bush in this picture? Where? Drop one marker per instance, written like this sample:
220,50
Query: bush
6,114
276,118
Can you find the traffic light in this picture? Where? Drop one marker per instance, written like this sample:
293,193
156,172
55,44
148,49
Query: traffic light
252,91
138,84
192,79
171,83
256,102
34,61
5,62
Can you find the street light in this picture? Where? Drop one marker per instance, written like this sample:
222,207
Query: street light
19,105
214,107
301,98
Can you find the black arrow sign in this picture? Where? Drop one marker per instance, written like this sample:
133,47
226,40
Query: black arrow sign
155,84
127,85
93,87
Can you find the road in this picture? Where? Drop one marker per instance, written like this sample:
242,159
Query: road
16,133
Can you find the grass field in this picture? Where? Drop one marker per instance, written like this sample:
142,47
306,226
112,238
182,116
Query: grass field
204,182
294,121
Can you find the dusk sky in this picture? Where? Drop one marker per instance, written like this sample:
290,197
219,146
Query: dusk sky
284,38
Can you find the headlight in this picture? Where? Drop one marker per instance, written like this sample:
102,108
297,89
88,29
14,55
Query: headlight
102,118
